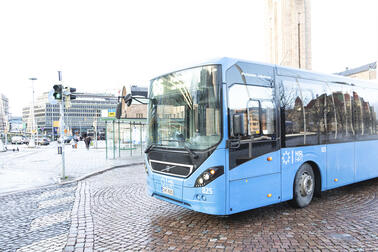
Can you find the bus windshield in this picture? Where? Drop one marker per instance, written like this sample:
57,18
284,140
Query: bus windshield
184,109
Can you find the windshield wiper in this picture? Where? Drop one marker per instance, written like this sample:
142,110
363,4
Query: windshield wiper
149,148
191,153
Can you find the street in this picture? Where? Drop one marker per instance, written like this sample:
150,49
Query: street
112,212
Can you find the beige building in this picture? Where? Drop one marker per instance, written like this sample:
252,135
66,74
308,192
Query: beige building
365,72
288,32
136,111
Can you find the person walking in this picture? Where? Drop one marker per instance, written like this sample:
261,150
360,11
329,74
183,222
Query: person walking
87,141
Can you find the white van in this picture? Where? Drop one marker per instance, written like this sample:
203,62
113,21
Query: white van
17,140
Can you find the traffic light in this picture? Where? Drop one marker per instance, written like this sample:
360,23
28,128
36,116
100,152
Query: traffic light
72,96
58,92
69,93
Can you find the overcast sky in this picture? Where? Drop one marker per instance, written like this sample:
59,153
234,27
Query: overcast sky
103,45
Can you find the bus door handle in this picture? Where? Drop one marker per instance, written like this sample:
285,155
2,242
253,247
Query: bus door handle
233,143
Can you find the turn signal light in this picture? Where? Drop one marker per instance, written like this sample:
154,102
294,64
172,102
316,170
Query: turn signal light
336,179
212,171
269,195
269,159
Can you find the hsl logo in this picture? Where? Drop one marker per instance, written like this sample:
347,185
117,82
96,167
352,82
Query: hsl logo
165,182
291,157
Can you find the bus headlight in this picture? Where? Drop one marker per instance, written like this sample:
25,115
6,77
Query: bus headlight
206,176
209,175
200,180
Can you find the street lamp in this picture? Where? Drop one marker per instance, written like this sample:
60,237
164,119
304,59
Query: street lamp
32,141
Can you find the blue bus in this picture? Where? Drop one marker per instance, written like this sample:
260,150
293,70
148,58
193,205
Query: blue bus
230,135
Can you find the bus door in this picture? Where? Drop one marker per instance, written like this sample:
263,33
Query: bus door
254,157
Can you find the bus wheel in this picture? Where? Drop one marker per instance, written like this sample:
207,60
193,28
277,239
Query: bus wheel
304,186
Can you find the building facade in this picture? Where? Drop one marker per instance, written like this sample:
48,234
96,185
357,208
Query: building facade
83,115
365,72
4,112
288,33
16,125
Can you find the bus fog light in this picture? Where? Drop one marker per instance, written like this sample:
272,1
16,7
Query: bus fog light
206,176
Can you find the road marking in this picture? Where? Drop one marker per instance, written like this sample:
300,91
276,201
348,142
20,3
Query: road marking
55,193
52,244
49,220
55,202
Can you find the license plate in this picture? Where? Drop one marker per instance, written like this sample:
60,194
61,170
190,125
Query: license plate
167,190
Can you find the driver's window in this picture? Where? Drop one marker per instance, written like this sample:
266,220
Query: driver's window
257,105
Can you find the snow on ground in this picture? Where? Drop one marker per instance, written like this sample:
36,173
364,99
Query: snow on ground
34,167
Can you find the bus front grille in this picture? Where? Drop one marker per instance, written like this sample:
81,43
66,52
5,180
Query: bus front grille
169,168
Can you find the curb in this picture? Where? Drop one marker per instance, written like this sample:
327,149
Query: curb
97,173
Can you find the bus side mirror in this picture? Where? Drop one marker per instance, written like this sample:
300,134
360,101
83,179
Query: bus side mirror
238,124
128,99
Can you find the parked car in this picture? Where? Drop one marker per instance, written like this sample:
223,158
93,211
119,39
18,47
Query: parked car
25,140
68,139
43,141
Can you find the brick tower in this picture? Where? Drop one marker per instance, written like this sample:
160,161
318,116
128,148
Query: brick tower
288,32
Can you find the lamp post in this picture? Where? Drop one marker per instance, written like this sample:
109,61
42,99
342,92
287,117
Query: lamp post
32,141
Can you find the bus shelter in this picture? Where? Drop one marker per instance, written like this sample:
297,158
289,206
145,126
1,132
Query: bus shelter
125,138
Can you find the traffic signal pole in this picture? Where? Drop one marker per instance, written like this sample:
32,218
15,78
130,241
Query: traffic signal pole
61,127
64,95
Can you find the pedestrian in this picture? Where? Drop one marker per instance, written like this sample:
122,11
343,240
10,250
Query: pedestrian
87,141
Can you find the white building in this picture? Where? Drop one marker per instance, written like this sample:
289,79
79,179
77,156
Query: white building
78,118
4,112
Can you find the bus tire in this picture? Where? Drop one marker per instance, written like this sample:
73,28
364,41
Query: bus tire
304,186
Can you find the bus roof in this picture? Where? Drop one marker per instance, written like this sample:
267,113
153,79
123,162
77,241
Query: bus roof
227,62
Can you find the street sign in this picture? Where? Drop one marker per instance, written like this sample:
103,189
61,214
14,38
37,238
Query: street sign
111,112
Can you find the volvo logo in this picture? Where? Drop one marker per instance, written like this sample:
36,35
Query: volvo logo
168,168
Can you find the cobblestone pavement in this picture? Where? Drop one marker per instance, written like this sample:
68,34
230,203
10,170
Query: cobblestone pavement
36,220
112,212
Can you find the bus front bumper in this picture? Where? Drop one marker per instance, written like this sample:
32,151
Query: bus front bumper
209,199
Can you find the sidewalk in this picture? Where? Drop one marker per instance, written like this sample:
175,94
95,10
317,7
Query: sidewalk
31,168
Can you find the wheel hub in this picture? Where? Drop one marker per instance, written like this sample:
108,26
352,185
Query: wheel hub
307,184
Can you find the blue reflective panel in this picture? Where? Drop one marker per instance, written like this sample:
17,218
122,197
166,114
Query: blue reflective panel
340,164
366,160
